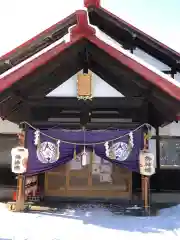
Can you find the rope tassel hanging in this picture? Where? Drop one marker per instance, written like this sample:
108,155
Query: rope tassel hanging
74,155
37,140
93,154
58,150
130,141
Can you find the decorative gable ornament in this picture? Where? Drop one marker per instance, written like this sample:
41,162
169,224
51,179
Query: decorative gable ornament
146,163
84,86
19,160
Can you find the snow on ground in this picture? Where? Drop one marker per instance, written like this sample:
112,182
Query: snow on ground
88,224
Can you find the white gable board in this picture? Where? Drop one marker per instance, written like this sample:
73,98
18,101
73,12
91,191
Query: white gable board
99,88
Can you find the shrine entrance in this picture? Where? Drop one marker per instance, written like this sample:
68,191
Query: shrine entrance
98,179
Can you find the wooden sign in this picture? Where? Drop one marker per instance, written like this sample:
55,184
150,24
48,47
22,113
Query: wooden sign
31,186
146,163
84,88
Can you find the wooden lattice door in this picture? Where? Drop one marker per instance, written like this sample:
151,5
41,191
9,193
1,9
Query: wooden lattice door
98,179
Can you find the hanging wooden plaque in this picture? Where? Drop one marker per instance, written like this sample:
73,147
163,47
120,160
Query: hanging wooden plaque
84,88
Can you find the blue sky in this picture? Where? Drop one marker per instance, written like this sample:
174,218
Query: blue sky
21,20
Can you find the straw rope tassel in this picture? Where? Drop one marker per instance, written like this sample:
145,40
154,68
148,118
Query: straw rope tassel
93,154
74,155
58,150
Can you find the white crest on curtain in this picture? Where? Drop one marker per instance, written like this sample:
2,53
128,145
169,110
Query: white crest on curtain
118,151
47,152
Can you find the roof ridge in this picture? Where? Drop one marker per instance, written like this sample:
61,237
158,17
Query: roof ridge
89,3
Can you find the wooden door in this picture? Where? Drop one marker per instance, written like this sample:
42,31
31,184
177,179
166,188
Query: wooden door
72,180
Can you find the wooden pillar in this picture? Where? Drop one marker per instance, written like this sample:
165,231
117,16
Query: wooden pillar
20,199
144,118
145,180
146,194
157,159
142,187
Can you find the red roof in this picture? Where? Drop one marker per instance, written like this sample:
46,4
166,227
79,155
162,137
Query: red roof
37,43
83,30
41,34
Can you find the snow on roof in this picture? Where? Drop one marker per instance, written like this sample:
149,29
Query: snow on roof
102,36
60,41
106,39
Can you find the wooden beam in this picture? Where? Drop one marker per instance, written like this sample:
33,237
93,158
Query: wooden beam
99,125
44,113
74,103
121,80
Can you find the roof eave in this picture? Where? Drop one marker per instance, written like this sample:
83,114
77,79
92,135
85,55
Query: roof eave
78,32
37,43
93,5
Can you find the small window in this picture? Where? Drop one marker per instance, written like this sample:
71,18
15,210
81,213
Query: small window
170,153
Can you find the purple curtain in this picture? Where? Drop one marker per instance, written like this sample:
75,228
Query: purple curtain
36,164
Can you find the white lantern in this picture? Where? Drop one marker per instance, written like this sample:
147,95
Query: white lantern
146,163
19,160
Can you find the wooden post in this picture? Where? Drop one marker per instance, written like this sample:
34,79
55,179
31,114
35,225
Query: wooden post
146,194
20,199
142,187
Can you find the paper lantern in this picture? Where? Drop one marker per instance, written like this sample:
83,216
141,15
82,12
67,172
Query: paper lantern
19,160
146,163
84,88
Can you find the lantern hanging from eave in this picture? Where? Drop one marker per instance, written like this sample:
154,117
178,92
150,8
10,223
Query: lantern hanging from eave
146,163
19,160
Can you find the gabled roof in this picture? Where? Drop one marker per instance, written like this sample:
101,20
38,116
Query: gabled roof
130,36
37,43
62,60
80,31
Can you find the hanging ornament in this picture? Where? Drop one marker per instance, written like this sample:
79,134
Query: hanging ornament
58,149
37,138
93,154
19,160
147,163
106,145
109,151
84,86
84,154
112,155
131,141
148,135
21,138
74,155
84,157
